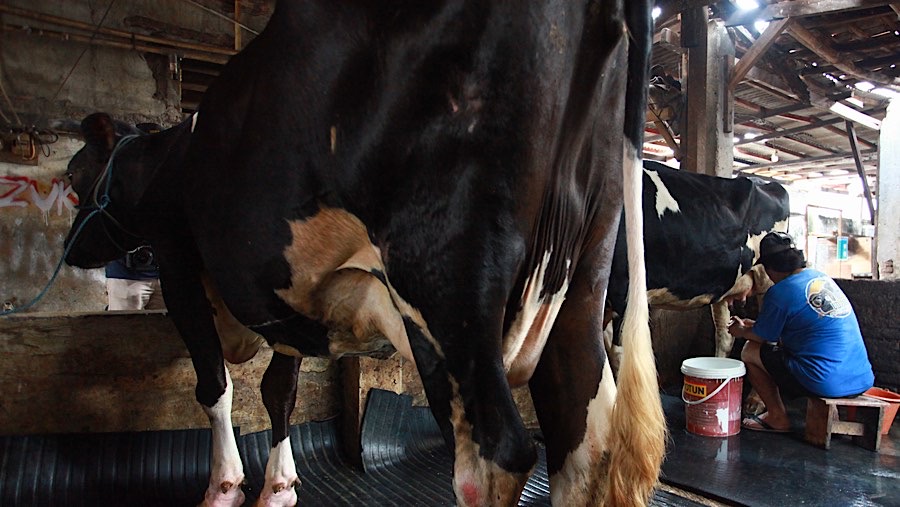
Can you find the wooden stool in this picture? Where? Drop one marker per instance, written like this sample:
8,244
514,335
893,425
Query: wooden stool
822,420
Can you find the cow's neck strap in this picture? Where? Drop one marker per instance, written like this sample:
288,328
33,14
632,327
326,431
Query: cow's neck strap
99,201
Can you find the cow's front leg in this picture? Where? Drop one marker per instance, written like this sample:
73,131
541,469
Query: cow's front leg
192,314
721,317
471,400
279,393
227,471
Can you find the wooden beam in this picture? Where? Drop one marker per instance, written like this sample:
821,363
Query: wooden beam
851,133
756,51
237,26
120,34
822,47
804,161
801,9
795,130
70,37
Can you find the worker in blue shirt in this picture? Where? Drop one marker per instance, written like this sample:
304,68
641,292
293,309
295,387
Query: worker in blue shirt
806,340
132,282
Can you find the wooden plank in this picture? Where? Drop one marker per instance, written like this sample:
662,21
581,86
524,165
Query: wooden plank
756,51
124,371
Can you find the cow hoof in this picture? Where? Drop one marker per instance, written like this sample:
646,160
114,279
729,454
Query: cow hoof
227,494
280,494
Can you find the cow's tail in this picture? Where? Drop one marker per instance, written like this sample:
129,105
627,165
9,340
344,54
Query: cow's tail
638,429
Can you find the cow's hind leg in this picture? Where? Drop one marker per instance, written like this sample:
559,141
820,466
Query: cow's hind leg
470,398
573,392
279,393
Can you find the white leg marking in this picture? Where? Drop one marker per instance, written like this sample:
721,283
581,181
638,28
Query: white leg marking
227,471
281,477
478,482
528,333
664,199
572,484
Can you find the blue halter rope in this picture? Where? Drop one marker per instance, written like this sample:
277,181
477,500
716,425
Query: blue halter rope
98,206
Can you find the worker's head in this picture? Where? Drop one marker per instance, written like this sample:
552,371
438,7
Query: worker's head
778,253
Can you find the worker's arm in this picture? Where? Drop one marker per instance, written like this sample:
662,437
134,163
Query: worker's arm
743,328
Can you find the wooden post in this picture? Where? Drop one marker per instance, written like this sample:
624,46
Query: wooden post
237,25
707,142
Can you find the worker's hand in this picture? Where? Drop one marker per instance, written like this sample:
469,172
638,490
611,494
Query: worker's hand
738,326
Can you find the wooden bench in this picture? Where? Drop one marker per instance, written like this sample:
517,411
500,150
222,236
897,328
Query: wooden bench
823,420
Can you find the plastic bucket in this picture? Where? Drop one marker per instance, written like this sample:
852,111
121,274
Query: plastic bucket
712,392
890,411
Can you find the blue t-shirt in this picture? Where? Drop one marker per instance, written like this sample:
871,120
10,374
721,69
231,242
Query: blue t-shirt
812,318
119,269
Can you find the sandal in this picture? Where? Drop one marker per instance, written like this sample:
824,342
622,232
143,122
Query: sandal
756,423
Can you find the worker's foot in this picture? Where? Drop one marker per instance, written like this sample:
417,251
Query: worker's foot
764,422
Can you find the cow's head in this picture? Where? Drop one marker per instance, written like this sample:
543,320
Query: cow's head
104,227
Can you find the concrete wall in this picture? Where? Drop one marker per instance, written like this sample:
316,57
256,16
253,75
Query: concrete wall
51,80
877,306
37,207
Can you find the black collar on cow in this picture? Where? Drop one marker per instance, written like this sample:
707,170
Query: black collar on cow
99,202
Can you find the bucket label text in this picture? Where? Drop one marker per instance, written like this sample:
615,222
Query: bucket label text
698,390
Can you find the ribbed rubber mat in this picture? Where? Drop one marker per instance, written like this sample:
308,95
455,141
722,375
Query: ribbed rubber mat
403,446
405,462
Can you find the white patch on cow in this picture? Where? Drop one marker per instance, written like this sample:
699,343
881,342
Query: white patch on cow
194,121
281,477
227,469
664,200
528,333
333,281
574,482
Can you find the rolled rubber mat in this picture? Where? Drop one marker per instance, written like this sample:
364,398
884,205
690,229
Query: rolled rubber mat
405,463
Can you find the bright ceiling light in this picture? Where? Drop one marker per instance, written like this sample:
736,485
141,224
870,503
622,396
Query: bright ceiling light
761,26
750,135
747,5
837,172
886,93
814,175
656,12
864,86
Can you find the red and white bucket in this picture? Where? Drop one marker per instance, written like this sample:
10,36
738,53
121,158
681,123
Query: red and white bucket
713,387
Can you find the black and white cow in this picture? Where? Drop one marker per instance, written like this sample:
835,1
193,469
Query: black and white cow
702,237
442,178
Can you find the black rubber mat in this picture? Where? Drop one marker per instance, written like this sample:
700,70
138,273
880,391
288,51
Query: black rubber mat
769,469
405,462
